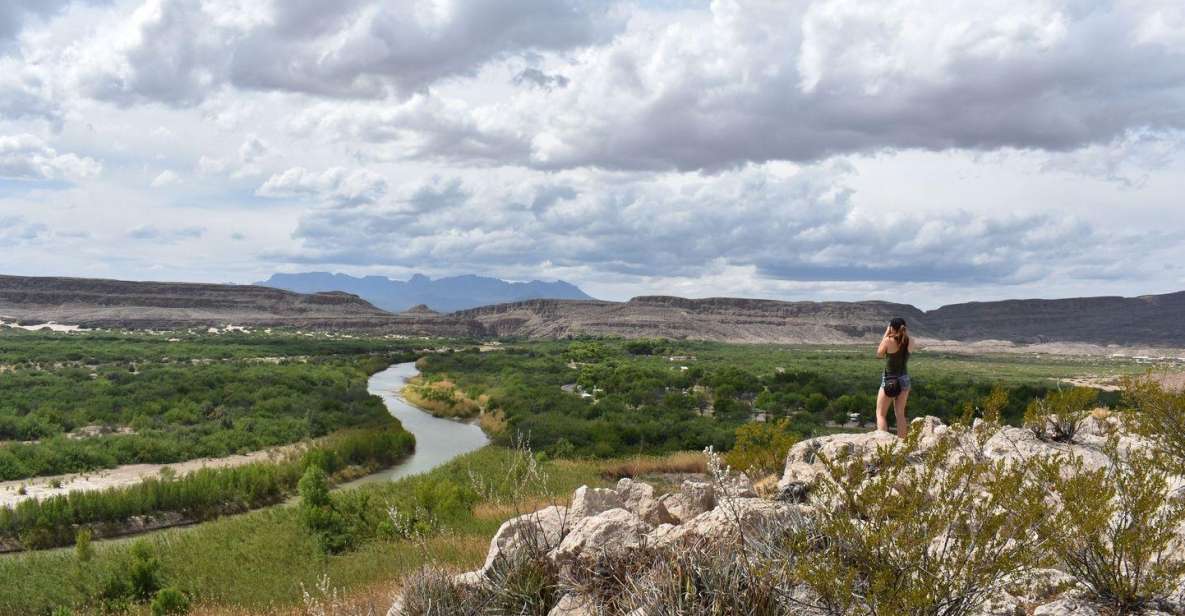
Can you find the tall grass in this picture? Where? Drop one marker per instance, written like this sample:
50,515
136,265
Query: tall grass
258,562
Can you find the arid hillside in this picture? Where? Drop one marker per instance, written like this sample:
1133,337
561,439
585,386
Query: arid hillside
731,319
115,303
1151,320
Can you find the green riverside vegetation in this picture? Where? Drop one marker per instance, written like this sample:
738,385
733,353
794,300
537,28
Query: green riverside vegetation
589,407
653,396
199,495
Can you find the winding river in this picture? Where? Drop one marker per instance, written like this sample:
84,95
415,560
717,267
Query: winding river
437,440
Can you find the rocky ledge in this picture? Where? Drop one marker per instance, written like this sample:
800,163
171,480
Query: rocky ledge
633,519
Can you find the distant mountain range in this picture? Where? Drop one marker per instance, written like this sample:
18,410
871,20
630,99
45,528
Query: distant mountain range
441,295
1150,320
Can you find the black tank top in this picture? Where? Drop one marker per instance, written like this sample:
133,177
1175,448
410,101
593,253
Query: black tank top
895,363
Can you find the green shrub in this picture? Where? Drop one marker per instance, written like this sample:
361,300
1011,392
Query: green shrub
144,573
83,550
761,447
1114,528
1056,416
1159,415
170,602
933,537
318,513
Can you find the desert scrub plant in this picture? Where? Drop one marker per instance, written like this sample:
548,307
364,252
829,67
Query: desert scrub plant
1159,415
525,583
318,513
680,462
705,581
761,447
1114,528
930,532
1056,416
170,602
432,592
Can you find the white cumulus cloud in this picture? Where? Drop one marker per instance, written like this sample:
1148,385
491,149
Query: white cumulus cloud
27,157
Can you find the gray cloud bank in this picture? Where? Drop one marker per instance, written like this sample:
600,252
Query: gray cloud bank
613,140
802,226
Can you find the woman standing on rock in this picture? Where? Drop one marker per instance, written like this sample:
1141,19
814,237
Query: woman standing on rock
895,346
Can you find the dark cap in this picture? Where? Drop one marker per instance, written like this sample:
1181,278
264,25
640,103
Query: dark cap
897,323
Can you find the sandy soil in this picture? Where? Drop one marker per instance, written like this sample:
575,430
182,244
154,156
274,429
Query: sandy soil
51,326
1078,349
130,474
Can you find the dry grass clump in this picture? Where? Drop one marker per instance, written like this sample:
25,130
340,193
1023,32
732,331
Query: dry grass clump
492,421
691,462
498,511
524,583
441,398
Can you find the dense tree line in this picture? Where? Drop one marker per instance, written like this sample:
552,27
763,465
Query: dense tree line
163,413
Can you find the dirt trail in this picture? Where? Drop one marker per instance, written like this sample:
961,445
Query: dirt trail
127,475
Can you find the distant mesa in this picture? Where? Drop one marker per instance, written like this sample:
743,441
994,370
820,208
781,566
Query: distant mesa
421,309
440,295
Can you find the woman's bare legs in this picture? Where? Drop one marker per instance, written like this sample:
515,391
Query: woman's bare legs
899,410
882,410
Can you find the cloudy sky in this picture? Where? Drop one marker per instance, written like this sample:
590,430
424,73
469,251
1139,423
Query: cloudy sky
911,150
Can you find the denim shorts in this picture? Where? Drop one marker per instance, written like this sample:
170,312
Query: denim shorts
903,379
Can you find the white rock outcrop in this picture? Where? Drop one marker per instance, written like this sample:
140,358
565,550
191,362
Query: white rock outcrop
616,529
542,530
730,518
633,515
592,501
802,461
639,498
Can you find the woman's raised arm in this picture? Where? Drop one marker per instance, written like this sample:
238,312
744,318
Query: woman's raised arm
883,348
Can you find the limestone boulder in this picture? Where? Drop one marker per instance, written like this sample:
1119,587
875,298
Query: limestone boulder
632,492
540,531
931,431
698,496
1021,444
639,498
802,461
654,512
588,502
614,529
692,499
674,505
731,518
